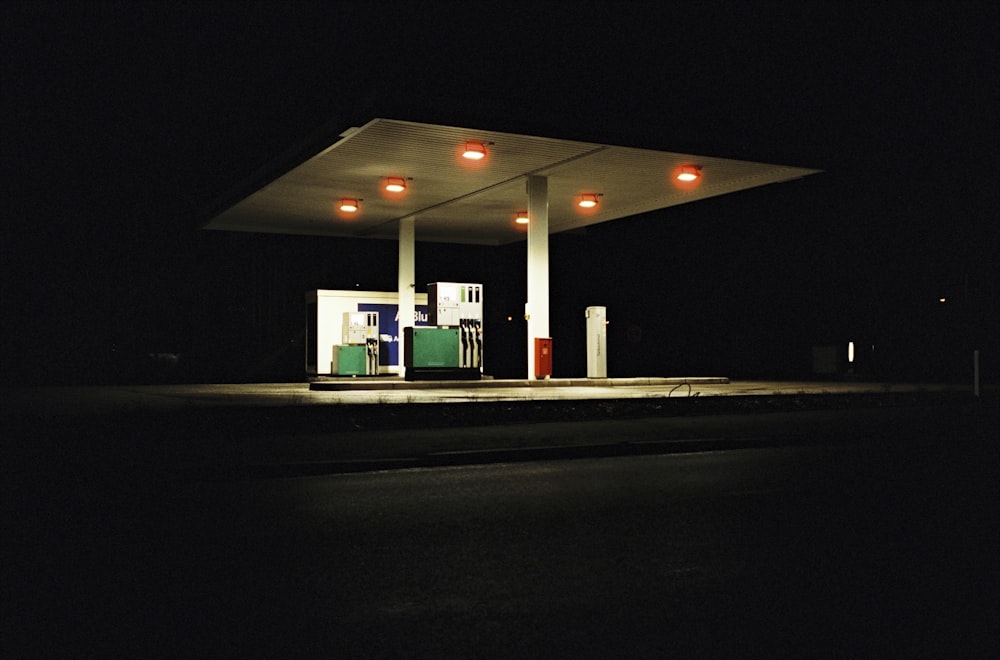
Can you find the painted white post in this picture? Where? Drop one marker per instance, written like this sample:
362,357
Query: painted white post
537,308
975,373
407,285
597,342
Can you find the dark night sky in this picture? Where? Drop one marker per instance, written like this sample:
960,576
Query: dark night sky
125,121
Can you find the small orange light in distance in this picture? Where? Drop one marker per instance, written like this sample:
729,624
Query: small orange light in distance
349,205
588,201
521,218
395,184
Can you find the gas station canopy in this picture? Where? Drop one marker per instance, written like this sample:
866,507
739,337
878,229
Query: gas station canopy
407,181
454,199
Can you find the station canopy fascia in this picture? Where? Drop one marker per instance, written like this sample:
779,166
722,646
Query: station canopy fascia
455,200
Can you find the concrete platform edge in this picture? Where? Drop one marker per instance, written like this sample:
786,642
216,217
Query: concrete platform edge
341,384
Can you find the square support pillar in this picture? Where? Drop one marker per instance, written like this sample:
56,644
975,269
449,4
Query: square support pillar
536,310
407,284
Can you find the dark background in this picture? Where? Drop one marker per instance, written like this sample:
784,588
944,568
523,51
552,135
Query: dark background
126,123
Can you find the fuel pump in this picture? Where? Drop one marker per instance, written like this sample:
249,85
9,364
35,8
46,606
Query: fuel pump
358,353
459,304
456,309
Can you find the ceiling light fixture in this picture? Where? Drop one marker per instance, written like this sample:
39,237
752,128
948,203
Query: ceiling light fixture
349,204
588,201
474,151
521,217
689,173
395,184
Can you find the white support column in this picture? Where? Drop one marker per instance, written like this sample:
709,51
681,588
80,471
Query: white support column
407,283
537,308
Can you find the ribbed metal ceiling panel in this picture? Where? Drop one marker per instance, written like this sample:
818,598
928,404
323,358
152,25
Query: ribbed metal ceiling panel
456,200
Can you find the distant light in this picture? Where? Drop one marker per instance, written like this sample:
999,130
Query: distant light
850,351
349,205
588,201
395,184
474,151
521,217
689,173
942,299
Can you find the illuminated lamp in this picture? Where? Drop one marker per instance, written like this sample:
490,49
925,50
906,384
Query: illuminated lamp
689,173
588,201
349,205
474,151
521,217
395,184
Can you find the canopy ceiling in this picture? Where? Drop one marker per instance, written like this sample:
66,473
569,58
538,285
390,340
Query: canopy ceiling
458,201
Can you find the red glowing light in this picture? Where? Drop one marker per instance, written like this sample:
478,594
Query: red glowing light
686,177
474,151
689,173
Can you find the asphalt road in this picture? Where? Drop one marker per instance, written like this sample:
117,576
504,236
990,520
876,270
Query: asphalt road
882,544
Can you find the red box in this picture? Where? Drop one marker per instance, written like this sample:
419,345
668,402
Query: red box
543,357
